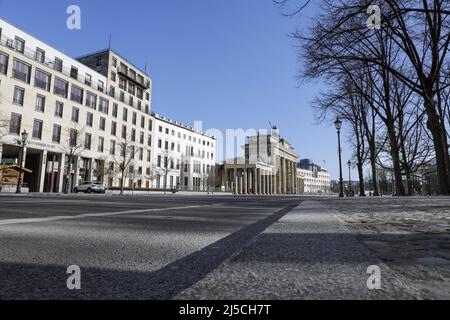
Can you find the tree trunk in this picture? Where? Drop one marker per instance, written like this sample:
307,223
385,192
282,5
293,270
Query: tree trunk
399,187
165,184
362,191
440,144
373,165
69,182
122,182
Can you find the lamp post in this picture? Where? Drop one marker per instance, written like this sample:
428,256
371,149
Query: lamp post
350,178
338,124
22,143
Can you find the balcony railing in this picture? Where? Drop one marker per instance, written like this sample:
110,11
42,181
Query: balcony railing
133,77
31,54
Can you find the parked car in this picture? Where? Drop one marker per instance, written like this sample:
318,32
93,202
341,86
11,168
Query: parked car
90,187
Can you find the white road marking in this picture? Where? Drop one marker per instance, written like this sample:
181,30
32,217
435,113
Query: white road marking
91,215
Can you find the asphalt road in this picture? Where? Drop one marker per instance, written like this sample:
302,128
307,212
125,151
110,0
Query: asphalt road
150,247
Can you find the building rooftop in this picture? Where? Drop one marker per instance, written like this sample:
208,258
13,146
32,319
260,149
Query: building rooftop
144,72
181,125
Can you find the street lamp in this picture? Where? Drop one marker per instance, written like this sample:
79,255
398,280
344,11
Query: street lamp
338,124
22,143
349,178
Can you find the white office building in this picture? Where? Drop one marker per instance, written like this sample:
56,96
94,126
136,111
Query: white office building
313,178
184,158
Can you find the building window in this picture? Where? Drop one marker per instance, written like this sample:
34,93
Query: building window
58,65
112,149
124,132
158,161
56,136
133,135
59,109
102,125
87,141
101,86
37,129
4,58
40,103
76,94
122,96
114,62
131,88
89,119
74,73
125,114
112,91
15,123
61,88
134,119
141,138
150,125
159,143
131,101
101,144
20,45
19,94
21,71
149,141
140,93
73,138
75,114
91,100
113,128
103,106
115,110
88,79
113,76
42,80
142,122
160,129
40,55
122,83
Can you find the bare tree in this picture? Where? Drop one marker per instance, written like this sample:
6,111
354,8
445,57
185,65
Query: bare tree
73,147
411,47
209,180
151,174
343,102
106,168
124,159
166,165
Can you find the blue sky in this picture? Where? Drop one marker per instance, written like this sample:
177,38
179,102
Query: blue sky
229,63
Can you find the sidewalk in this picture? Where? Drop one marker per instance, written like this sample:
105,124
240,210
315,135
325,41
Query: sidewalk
308,254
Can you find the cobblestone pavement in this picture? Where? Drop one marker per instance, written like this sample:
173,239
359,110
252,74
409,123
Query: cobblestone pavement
410,235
